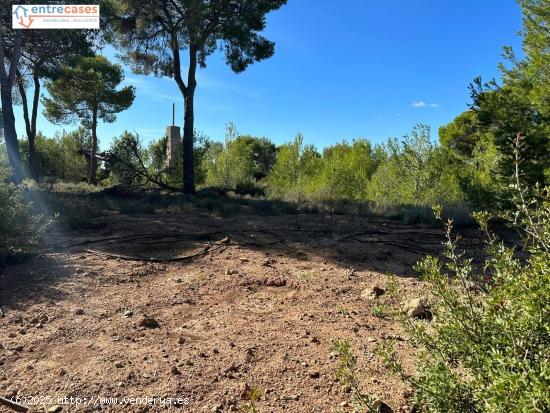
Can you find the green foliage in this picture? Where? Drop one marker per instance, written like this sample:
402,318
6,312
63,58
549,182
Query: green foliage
506,110
488,349
346,170
133,165
60,157
535,68
296,165
379,310
253,396
415,173
479,140
347,374
87,91
146,28
264,153
19,226
86,88
127,160
473,157
230,164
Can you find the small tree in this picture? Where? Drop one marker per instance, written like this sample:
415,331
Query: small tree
230,164
415,173
43,55
88,92
295,167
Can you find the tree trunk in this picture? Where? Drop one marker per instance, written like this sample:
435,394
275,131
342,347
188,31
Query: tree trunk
30,122
92,176
188,136
188,93
10,133
6,83
33,160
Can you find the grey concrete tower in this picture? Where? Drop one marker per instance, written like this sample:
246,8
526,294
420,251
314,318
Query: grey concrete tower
173,144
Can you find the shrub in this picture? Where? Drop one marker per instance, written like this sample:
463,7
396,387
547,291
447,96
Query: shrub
19,227
488,349
415,173
231,163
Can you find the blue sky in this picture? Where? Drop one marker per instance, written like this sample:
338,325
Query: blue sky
342,70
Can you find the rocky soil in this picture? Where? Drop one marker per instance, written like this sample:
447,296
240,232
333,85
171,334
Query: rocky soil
252,315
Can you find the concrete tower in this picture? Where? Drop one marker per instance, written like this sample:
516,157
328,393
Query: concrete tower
173,145
174,140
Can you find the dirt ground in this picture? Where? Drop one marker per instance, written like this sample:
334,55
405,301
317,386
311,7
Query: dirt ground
257,308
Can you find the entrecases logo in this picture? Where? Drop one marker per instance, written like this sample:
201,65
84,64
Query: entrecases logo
55,16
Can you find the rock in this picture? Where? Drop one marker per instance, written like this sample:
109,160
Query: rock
78,311
119,364
128,313
417,308
314,374
231,271
55,409
175,371
275,282
372,292
149,322
381,407
19,348
22,331
181,340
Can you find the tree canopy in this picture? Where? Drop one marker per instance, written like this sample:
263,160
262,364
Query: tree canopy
87,92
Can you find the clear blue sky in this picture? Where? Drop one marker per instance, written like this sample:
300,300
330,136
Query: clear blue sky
342,70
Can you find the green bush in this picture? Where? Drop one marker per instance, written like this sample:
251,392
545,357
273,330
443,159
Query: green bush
230,164
416,173
59,157
294,170
19,227
488,348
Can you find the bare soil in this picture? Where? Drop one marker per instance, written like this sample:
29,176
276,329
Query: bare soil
258,307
